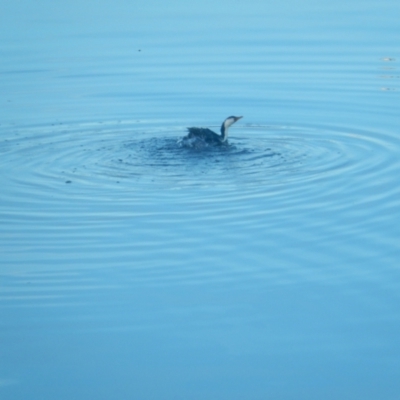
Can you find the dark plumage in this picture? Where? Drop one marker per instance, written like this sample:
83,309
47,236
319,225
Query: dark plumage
207,136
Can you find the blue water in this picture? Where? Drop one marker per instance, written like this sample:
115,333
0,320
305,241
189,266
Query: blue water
133,268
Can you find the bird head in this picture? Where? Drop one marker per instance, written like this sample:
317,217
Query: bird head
230,120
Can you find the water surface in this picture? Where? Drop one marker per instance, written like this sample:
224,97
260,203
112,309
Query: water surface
134,268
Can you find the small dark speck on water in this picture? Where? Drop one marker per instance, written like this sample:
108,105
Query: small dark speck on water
68,181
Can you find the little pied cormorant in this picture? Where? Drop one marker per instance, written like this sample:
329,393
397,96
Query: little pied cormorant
208,136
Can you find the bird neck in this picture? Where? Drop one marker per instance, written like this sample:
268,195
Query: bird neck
224,133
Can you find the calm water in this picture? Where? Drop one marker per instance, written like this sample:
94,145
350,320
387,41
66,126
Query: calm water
133,268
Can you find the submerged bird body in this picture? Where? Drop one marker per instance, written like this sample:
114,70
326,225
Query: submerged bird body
203,136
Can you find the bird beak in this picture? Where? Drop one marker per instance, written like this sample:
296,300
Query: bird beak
237,118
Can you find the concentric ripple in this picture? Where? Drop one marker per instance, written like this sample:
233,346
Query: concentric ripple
112,156
116,193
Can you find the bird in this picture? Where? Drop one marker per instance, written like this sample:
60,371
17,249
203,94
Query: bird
205,136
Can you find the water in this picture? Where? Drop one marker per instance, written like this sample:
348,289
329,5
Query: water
134,268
